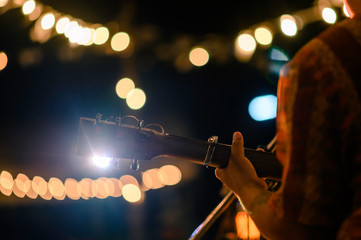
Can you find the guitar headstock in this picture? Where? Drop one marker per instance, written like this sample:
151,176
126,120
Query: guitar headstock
123,138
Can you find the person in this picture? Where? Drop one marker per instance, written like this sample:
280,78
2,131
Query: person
318,143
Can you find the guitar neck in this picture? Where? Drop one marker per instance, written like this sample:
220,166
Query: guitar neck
193,150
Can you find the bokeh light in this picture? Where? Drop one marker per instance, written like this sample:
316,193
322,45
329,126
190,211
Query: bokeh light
28,7
263,107
120,41
6,180
62,25
3,60
288,25
101,35
3,3
72,189
101,162
131,193
56,188
136,99
171,175
36,13
198,56
48,21
344,10
123,87
87,188
263,35
246,42
329,15
152,179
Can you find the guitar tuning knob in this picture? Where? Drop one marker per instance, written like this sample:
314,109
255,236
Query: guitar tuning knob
134,165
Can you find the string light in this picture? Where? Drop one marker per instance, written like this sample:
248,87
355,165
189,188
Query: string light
3,3
120,41
263,35
329,15
198,56
28,7
3,60
288,25
123,87
101,35
136,99
48,21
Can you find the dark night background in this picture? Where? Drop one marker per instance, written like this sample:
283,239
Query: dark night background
41,105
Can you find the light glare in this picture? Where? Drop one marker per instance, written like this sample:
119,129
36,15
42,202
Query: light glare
102,162
136,99
288,25
329,15
198,56
263,108
123,87
120,41
28,7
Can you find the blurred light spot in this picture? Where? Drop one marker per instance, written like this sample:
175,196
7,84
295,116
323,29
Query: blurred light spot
329,15
171,175
120,41
128,179
6,180
345,12
69,27
131,193
76,35
48,21
28,7
263,35
56,188
152,179
22,182
86,37
246,228
3,3
62,24
36,13
117,187
87,188
288,25
246,42
278,55
123,87
72,188
32,193
263,107
3,60
102,188
101,35
244,47
102,162
136,99
198,56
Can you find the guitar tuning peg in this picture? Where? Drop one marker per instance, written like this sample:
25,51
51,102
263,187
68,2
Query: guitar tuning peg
134,165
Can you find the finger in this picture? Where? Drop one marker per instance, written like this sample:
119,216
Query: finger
237,149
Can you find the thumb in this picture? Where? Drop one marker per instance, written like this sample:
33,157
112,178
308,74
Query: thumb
237,149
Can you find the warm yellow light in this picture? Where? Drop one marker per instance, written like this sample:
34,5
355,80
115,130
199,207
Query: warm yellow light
151,179
86,37
263,35
19,2
69,28
329,15
62,24
91,37
22,182
123,87
76,34
101,35
36,13
171,175
56,187
32,193
136,99
131,193
3,3
288,25
128,179
87,188
72,189
48,21
246,42
117,187
3,60
6,180
28,7
120,41
198,56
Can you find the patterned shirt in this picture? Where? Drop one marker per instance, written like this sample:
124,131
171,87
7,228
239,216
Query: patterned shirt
319,133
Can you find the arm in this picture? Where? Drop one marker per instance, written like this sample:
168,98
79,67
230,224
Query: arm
241,178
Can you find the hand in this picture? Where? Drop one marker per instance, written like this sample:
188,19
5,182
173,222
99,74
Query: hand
240,174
